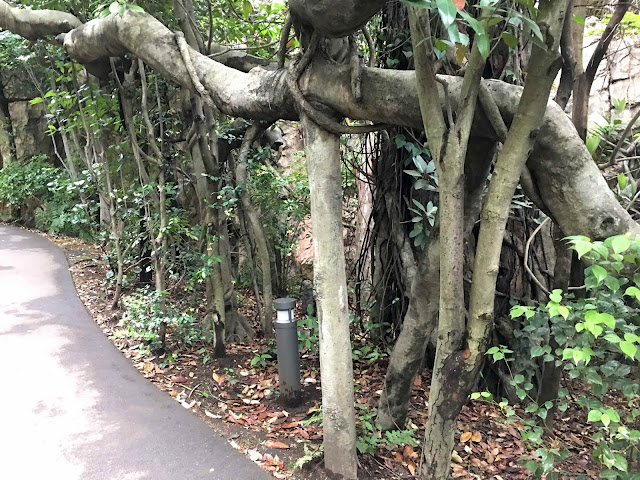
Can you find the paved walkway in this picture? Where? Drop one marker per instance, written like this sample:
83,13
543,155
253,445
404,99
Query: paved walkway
71,406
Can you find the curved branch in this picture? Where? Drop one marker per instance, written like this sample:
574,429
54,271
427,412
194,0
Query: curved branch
284,40
35,24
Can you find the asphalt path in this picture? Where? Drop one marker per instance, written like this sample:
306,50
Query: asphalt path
71,406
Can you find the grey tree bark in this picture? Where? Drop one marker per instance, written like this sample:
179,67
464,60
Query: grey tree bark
322,150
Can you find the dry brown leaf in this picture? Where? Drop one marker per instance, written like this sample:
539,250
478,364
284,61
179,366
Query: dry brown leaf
219,379
408,452
275,444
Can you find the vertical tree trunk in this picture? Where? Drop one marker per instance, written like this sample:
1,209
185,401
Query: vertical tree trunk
449,147
322,151
543,67
253,222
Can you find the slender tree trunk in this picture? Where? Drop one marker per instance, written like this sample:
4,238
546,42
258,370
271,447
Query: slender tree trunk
253,221
325,183
448,147
543,67
421,318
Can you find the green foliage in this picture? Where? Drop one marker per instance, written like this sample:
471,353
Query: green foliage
282,198
424,177
310,454
370,437
118,7
308,333
368,353
484,15
245,22
629,25
22,183
263,358
72,208
146,311
596,341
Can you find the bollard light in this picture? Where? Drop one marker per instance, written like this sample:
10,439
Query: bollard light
287,348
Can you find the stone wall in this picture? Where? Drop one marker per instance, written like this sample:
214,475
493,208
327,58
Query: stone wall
23,127
618,77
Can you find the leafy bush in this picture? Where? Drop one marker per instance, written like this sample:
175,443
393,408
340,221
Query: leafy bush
595,340
146,312
50,193
66,212
23,183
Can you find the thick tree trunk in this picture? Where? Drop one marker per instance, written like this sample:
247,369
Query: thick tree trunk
325,183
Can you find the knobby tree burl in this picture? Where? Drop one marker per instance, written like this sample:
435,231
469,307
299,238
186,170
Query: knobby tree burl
321,88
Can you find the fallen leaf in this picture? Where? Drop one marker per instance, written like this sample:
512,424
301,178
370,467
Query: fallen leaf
274,444
219,379
476,437
178,379
408,453
465,437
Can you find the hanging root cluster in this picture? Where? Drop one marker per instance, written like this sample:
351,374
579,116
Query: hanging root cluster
320,118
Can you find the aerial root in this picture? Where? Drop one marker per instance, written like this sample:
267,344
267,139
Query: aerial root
323,120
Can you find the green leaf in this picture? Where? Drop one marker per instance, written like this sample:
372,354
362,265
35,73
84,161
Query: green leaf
510,39
537,351
599,273
613,283
484,45
594,416
419,3
628,348
595,318
136,8
612,338
247,8
620,462
622,181
535,29
592,143
578,19
613,415
593,377
447,11
620,243
556,295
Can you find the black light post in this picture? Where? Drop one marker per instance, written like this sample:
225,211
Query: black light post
287,347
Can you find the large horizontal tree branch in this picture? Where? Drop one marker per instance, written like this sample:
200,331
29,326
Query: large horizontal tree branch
35,24
569,182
